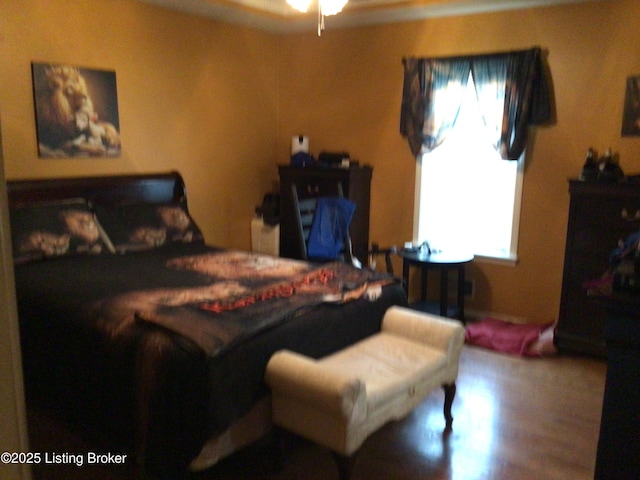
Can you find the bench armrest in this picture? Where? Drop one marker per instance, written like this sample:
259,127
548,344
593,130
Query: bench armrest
301,377
444,334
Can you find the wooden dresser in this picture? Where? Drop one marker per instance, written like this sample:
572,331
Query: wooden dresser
619,440
323,181
595,226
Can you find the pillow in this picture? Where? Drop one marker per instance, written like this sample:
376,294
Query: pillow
143,226
56,229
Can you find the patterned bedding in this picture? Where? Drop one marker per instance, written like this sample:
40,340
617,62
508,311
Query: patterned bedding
160,349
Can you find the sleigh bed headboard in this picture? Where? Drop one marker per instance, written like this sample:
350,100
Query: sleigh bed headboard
105,190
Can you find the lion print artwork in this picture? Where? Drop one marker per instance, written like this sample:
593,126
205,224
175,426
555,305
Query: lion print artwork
82,226
69,123
47,243
77,233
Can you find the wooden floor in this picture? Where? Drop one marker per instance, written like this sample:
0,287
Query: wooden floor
514,419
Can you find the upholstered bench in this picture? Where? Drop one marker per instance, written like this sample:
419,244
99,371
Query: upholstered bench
338,401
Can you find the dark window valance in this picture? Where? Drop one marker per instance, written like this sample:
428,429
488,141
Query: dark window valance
431,98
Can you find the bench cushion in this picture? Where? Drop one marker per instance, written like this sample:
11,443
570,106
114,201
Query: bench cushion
391,367
339,400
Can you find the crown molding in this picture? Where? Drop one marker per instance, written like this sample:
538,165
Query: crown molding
277,16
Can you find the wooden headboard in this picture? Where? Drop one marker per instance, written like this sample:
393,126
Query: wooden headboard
105,190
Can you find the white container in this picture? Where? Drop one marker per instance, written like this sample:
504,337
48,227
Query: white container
299,143
265,238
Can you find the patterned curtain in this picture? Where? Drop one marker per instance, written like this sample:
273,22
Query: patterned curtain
433,88
527,101
431,100
489,78
414,95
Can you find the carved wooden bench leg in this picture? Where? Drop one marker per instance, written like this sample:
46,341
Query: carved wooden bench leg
278,446
449,395
345,465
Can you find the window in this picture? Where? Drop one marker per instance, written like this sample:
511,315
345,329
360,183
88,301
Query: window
467,196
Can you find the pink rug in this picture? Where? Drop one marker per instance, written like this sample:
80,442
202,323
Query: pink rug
529,340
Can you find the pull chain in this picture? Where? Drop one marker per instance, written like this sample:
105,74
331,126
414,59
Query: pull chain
320,20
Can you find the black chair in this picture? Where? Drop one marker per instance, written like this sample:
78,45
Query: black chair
377,251
305,211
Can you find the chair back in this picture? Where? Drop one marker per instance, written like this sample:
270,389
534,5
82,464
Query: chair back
305,212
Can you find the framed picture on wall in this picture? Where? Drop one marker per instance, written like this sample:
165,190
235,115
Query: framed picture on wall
76,111
631,115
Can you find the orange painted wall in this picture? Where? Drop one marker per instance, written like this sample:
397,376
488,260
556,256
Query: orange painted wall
194,95
344,91
220,103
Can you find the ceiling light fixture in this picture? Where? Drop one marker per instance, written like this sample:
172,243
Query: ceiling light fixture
325,7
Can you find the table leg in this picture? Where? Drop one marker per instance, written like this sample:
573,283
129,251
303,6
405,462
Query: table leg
424,271
405,276
444,291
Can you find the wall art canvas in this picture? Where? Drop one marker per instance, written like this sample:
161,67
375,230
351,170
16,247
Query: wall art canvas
631,115
76,111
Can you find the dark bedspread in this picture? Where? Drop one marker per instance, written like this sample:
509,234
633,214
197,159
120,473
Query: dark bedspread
159,350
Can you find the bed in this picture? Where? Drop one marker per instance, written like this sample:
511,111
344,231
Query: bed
153,341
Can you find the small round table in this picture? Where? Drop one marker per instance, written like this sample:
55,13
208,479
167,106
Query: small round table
444,262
